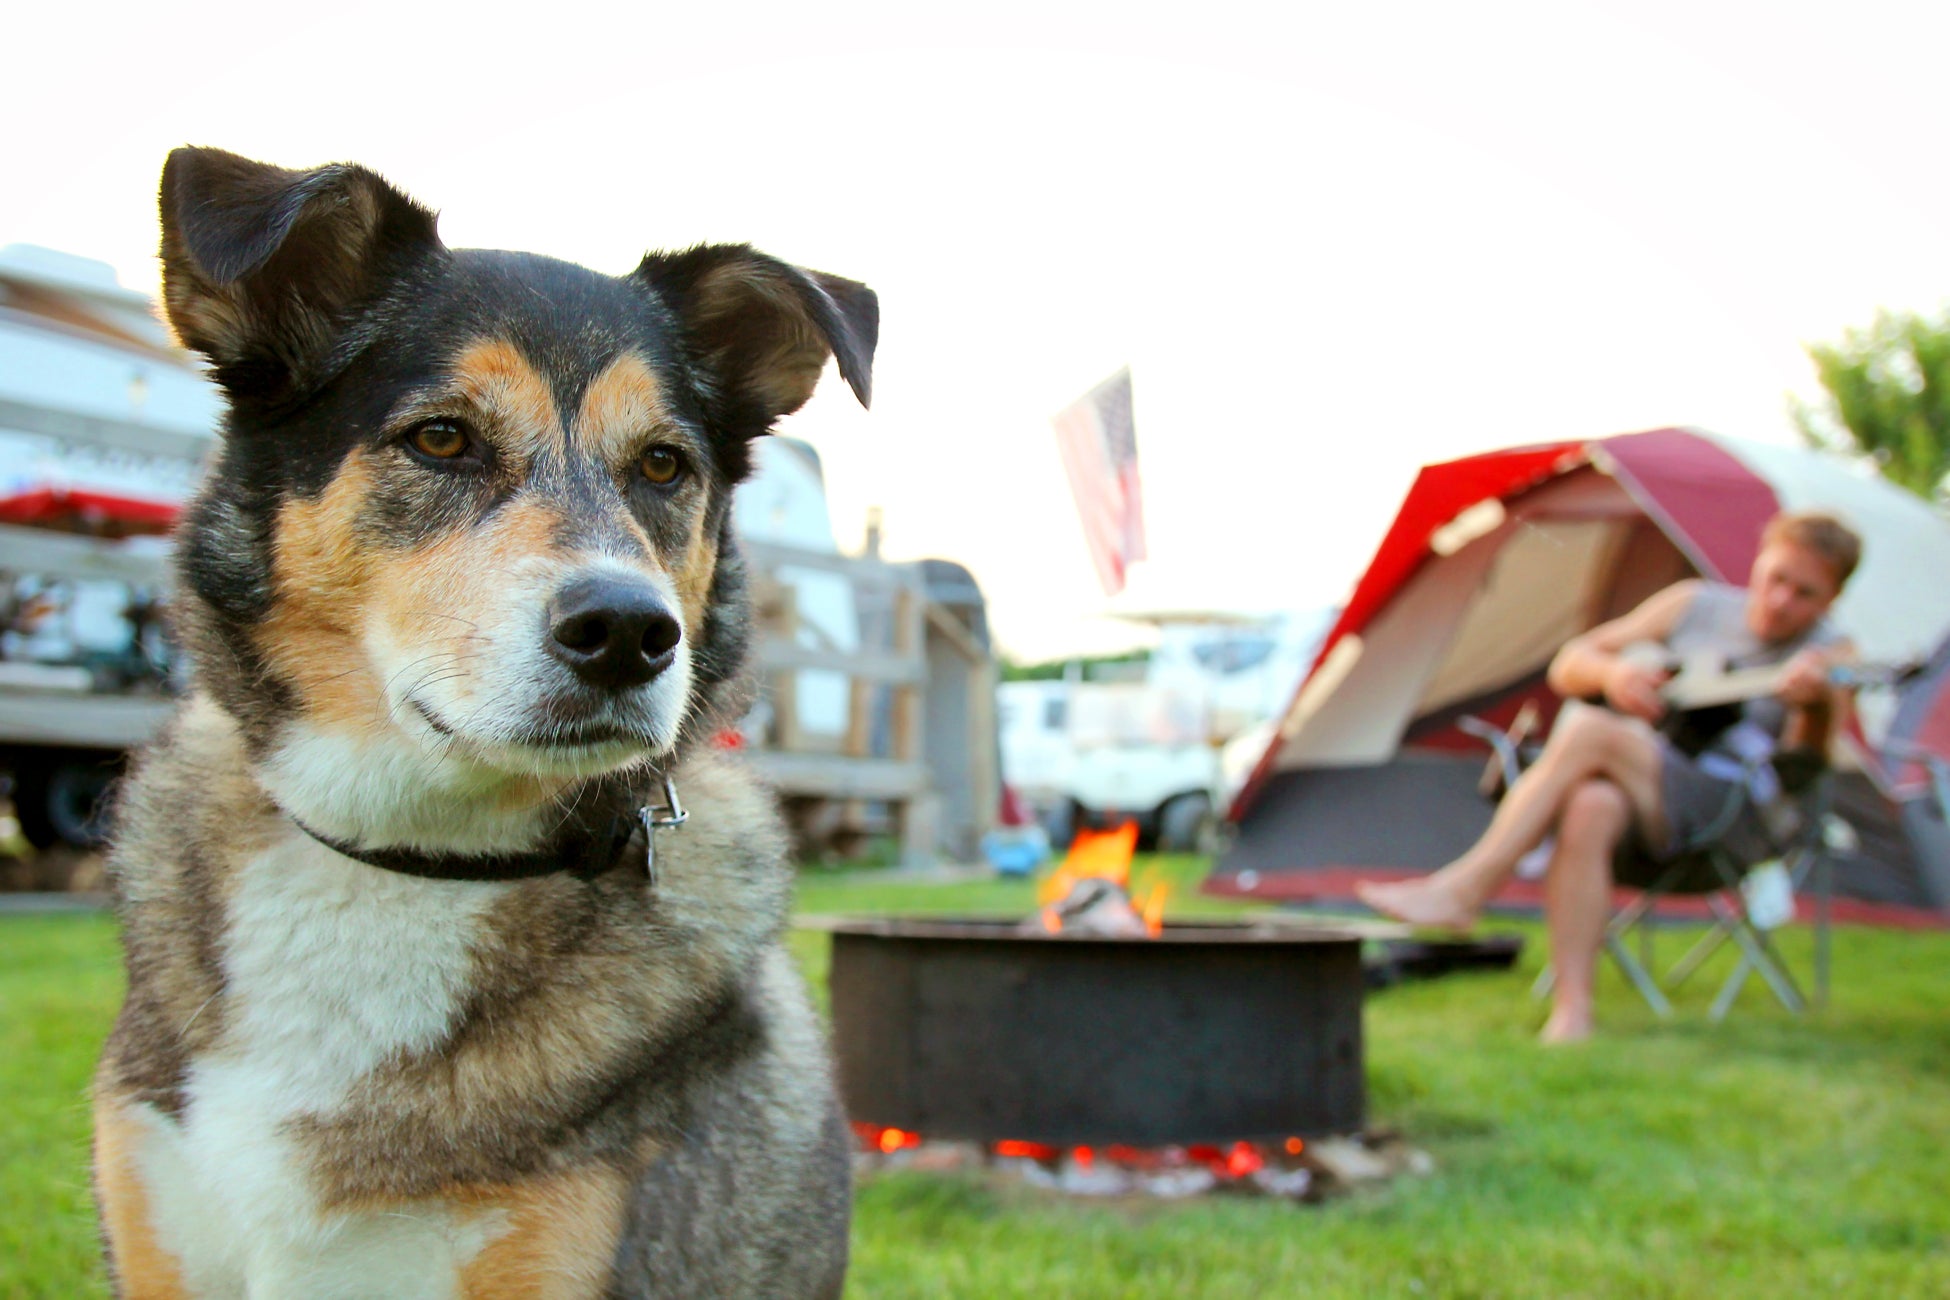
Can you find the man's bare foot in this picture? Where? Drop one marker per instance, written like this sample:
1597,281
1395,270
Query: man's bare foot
1566,1026
1418,902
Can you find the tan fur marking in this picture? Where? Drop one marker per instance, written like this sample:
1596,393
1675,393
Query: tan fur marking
331,586
144,1270
494,376
621,409
694,579
425,597
787,374
561,1237
323,577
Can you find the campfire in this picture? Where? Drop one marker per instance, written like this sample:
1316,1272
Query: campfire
1095,1049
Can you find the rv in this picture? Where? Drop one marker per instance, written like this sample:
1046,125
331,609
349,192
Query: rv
1152,748
104,426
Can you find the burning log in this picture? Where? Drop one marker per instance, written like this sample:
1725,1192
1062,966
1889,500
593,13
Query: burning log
1094,906
1089,894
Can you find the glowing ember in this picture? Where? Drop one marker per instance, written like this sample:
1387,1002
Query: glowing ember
1286,1168
874,1137
1242,1160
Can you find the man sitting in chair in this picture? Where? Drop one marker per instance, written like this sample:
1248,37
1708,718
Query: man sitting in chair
1618,797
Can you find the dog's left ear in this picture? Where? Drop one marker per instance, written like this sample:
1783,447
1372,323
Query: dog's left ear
765,328
263,267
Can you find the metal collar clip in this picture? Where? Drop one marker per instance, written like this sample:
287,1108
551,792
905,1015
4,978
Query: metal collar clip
654,819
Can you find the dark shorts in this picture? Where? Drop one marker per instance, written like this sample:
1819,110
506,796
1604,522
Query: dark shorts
1700,809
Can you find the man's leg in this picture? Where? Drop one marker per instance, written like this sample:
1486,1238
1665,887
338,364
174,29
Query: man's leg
1587,744
1577,901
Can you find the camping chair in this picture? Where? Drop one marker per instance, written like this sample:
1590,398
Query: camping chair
1800,845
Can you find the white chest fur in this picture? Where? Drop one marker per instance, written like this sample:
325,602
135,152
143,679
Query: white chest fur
331,968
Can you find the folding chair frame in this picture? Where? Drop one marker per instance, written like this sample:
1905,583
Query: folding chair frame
1809,871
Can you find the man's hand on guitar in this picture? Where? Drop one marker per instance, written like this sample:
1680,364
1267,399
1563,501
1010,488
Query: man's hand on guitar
1805,678
1633,688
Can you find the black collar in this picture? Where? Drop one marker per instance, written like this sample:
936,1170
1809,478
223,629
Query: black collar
587,852
579,849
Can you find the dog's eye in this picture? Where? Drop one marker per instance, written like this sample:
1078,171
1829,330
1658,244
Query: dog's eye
439,439
662,466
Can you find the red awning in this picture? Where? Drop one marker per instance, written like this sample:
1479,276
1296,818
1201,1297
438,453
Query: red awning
89,509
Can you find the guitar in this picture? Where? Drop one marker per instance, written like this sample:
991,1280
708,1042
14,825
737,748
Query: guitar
1703,696
1705,681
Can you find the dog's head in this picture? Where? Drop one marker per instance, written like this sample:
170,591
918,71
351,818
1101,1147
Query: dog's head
471,512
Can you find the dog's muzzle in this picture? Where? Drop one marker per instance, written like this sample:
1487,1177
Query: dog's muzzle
613,632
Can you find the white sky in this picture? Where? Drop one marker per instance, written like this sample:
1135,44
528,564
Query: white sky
1333,242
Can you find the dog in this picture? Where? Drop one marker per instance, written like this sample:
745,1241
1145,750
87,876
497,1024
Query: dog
429,995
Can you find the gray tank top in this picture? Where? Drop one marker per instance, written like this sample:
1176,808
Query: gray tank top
1714,625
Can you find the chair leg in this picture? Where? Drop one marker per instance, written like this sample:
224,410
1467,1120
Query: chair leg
1709,943
1757,954
1635,972
1821,875
1637,969
1757,950
1723,1000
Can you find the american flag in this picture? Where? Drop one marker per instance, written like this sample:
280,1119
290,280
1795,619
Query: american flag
1099,446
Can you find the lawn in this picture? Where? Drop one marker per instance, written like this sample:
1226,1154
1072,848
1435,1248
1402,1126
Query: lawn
1767,1156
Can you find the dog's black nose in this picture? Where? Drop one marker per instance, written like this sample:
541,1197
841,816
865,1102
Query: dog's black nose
613,631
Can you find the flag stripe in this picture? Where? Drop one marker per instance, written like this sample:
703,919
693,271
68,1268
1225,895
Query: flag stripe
1097,438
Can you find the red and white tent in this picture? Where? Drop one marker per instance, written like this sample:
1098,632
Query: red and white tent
1493,562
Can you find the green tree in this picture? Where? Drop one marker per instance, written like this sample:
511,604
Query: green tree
1887,399
1054,669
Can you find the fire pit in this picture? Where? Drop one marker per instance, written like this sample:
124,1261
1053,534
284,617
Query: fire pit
1211,1034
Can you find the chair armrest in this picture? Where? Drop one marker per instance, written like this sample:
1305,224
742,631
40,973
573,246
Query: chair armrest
1507,762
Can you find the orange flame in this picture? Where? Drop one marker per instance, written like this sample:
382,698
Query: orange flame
1152,907
1092,853
1106,855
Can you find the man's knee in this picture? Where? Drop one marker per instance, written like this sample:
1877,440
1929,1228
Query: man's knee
1588,731
1595,812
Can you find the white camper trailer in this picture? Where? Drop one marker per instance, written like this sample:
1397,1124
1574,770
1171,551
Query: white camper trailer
1151,749
104,425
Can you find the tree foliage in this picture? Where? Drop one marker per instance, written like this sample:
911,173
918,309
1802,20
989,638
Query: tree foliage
1887,398
1055,669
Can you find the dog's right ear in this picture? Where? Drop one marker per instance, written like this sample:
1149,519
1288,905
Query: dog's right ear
262,267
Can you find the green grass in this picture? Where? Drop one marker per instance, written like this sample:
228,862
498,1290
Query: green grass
1766,1156
60,982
